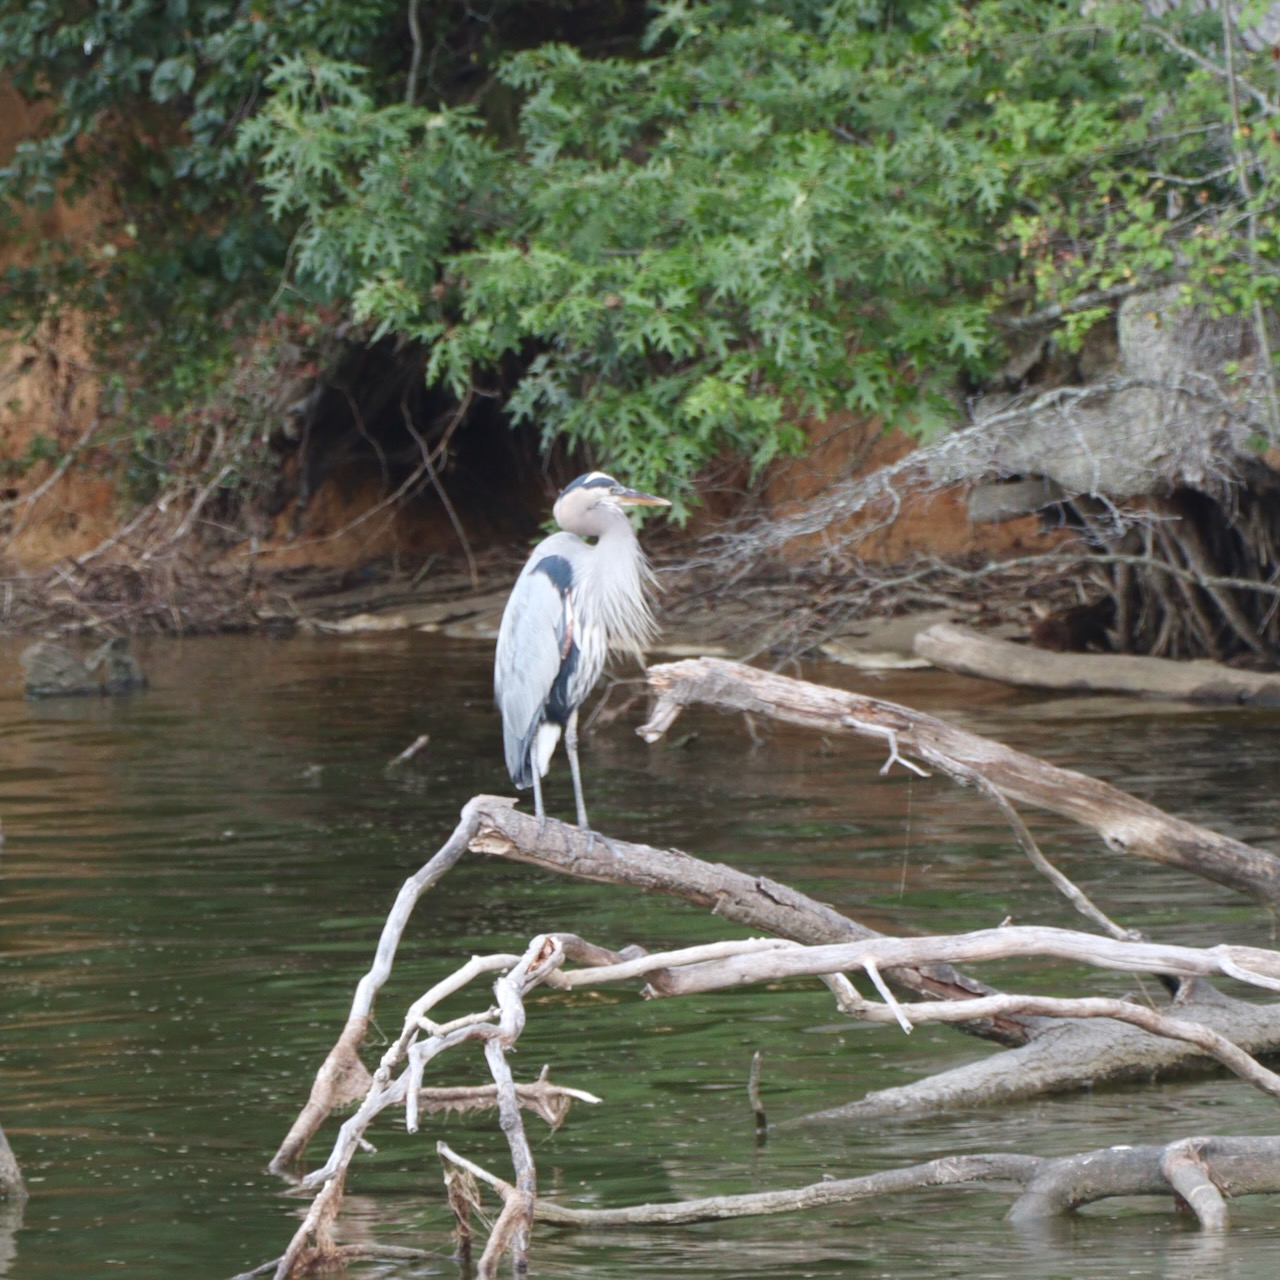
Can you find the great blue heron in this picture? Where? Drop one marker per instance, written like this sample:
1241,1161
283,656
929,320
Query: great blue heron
571,604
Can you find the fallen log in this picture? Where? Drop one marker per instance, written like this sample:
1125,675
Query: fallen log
970,653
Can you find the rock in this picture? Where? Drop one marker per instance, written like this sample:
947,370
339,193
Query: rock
120,670
55,672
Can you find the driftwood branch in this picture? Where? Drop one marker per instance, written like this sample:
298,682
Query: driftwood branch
1237,1166
342,1077
685,974
699,970
1126,824
511,1232
398,1081
1189,1176
548,1101
1051,1187
754,902
972,654
491,825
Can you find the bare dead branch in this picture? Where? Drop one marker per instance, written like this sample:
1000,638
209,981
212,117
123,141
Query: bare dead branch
1053,1186
753,1096
687,973
754,902
1044,317
29,500
419,744
342,1077
548,1101
511,1232
1238,1166
1127,825
429,460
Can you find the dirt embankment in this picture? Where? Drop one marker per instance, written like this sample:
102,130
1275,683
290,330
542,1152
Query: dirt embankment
51,390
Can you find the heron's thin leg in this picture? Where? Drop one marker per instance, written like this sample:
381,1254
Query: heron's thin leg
571,749
538,811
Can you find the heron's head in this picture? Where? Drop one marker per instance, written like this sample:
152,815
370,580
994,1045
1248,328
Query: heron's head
589,504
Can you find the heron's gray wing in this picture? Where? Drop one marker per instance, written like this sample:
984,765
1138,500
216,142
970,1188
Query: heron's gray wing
531,647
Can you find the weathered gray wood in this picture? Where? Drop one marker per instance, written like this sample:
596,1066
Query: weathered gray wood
1052,1186
1237,1166
1067,1057
1126,824
972,654
342,1077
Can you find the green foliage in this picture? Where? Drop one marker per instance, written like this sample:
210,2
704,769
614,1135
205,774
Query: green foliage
772,211
747,213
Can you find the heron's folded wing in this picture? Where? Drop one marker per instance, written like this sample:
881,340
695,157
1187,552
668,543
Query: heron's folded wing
531,645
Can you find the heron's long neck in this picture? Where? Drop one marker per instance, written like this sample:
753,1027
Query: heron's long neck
620,587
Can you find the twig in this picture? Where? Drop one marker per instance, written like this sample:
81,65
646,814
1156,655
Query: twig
890,735
415,34
873,972
428,464
753,1096
1064,886
192,511
1206,64
417,745
1081,302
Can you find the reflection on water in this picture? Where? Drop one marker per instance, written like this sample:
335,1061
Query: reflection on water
193,880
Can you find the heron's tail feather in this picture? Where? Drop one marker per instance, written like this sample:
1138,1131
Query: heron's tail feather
532,751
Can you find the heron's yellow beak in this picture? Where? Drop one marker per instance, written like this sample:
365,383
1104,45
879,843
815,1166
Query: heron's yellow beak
634,498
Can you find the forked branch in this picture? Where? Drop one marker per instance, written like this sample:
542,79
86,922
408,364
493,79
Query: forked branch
1126,824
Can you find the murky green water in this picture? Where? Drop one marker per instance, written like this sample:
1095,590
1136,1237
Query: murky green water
193,881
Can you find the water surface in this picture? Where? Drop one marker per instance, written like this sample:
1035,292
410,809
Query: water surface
193,880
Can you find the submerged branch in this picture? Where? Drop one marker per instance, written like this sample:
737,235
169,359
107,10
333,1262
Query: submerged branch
1051,1186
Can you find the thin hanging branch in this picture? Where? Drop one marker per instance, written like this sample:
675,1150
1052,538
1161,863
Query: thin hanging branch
1072,892
415,62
